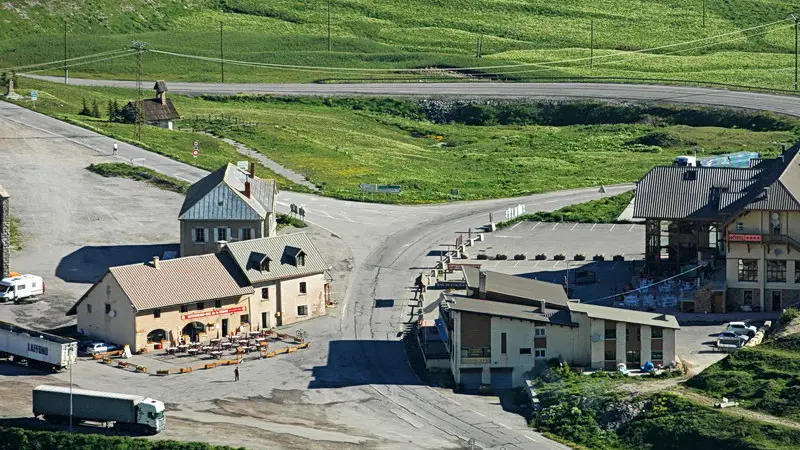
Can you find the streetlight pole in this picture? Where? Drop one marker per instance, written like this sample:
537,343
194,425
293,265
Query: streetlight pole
329,25
221,55
71,362
704,13
796,49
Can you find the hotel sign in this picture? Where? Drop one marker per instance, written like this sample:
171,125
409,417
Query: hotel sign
213,312
755,238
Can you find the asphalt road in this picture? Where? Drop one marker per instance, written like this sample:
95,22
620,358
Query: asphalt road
608,91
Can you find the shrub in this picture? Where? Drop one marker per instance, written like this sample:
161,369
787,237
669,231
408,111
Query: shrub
519,257
95,109
85,109
580,257
788,315
560,257
482,256
501,257
540,257
618,258
598,258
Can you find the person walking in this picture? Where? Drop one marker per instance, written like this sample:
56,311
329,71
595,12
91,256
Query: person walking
115,149
236,374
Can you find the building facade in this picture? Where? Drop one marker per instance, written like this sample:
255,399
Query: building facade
228,205
206,296
498,343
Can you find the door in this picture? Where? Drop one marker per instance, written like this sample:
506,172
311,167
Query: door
264,320
502,378
471,379
776,301
224,327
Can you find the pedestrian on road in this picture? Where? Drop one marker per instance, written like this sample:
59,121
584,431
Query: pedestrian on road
115,149
236,374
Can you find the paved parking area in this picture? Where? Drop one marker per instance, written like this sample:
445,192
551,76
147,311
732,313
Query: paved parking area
694,345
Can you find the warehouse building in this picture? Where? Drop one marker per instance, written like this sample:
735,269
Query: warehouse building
499,332
245,286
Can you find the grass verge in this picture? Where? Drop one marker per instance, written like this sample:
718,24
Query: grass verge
17,238
285,220
145,174
604,210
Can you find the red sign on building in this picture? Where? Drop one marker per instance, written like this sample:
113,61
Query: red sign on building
744,238
213,312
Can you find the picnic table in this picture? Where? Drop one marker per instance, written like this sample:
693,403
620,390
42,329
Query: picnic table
192,351
206,348
216,354
254,333
183,347
225,345
252,348
261,339
171,350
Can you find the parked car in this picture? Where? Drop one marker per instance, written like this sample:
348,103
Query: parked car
730,337
742,328
100,347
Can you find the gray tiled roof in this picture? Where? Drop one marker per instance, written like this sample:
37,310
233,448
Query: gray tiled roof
717,193
517,286
505,309
178,281
281,251
154,110
626,315
220,196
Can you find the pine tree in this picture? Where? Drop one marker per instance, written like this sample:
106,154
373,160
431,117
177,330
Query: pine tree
95,109
85,110
110,110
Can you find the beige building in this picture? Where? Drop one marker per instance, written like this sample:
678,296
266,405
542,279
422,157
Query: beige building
497,339
206,296
227,205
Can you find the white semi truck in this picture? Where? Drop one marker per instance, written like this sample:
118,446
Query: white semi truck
131,413
37,349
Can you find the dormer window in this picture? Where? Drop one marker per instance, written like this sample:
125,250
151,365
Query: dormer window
265,265
301,259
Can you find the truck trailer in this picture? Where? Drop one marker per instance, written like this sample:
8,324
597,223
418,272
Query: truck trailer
739,160
36,348
131,413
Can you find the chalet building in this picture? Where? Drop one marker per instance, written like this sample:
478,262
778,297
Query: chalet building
157,111
506,326
740,225
229,205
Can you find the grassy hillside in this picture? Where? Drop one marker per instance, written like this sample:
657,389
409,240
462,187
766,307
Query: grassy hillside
486,151
411,34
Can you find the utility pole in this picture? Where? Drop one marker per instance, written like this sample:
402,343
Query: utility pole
704,13
70,355
329,26
139,46
591,44
66,71
796,48
221,54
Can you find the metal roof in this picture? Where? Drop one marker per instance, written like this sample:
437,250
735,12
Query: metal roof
177,281
281,251
34,333
220,196
516,286
625,315
154,110
717,193
505,309
76,391
160,86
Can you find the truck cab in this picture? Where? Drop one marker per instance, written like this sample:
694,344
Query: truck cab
685,161
151,415
20,287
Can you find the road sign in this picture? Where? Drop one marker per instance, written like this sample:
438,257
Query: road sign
369,187
602,189
195,153
196,146
243,165
34,95
389,188
302,212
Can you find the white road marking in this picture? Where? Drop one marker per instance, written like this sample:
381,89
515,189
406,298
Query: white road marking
631,228
593,225
532,439
515,264
573,227
502,425
556,225
612,227
537,263
515,225
537,224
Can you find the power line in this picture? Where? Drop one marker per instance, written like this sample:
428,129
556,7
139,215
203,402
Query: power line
61,61
83,63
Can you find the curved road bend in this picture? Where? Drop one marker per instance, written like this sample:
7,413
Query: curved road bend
603,91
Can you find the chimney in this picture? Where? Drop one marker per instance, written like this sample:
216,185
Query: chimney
247,189
221,246
542,306
163,96
481,284
252,168
157,262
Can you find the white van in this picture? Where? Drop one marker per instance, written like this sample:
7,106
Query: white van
20,287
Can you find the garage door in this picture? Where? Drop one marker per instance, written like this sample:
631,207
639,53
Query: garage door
471,379
502,379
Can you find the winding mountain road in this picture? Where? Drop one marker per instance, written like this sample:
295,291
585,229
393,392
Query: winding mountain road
781,104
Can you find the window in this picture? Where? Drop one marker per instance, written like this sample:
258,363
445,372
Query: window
541,332
303,287
244,318
217,303
658,356
200,306
610,355
247,234
776,271
265,265
301,259
156,313
108,308
88,308
540,354
199,234
302,310
657,333
222,234
611,333
503,343
747,298
184,308
525,351
265,294
739,227
748,270
21,287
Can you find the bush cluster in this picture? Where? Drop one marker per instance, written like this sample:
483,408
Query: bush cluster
20,439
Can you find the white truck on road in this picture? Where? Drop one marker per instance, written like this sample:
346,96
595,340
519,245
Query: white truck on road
131,413
36,348
21,287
